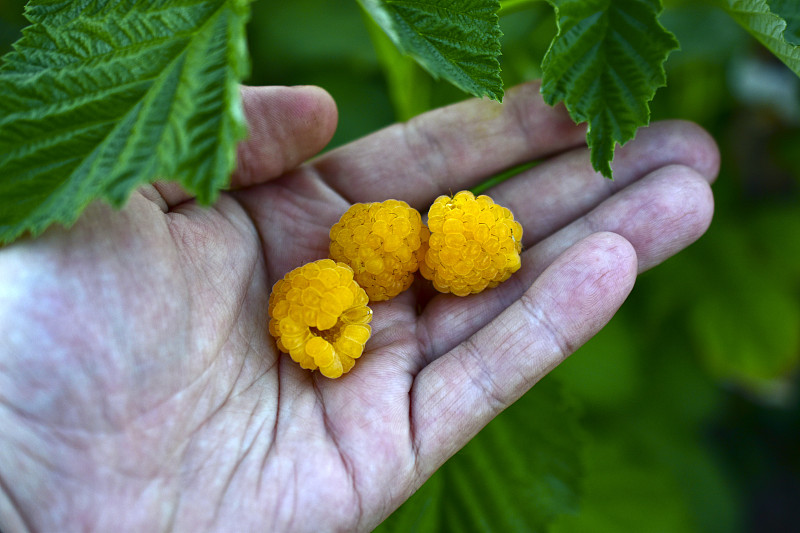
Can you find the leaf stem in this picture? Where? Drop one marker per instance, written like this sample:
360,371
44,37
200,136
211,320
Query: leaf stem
502,176
507,7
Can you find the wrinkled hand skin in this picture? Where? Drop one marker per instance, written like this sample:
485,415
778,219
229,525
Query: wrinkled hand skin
140,389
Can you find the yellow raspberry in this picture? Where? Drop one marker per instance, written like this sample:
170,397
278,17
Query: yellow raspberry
381,242
319,316
474,244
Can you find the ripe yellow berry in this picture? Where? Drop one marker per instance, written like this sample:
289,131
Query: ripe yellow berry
381,242
319,316
474,244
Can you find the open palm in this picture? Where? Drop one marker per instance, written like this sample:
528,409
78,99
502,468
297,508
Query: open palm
139,386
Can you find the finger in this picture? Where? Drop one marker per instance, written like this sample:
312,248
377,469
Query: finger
553,194
456,395
450,149
659,215
286,126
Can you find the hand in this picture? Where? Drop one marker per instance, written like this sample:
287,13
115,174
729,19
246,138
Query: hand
140,389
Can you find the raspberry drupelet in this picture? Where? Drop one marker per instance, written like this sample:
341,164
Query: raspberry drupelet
381,242
474,244
319,316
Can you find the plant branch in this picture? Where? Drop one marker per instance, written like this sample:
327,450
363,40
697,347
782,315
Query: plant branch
508,7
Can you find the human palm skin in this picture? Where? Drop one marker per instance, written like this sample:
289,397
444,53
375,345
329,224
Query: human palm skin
140,389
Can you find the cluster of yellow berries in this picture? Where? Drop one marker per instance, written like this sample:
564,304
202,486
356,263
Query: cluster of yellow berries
318,312
319,316
474,244
382,243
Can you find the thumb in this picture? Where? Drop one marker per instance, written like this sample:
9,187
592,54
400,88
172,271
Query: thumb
287,125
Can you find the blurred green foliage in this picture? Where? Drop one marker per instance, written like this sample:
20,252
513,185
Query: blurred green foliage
690,398
521,473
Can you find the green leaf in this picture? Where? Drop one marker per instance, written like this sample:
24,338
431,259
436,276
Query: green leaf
422,513
605,64
647,469
788,10
518,474
627,492
458,40
758,346
769,28
102,97
606,371
408,84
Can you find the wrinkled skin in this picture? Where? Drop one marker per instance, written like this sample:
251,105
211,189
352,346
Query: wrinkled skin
139,387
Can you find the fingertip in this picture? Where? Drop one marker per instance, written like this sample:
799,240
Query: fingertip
286,126
582,289
684,143
605,263
694,195
613,248
663,213
701,150
299,102
316,104
623,259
